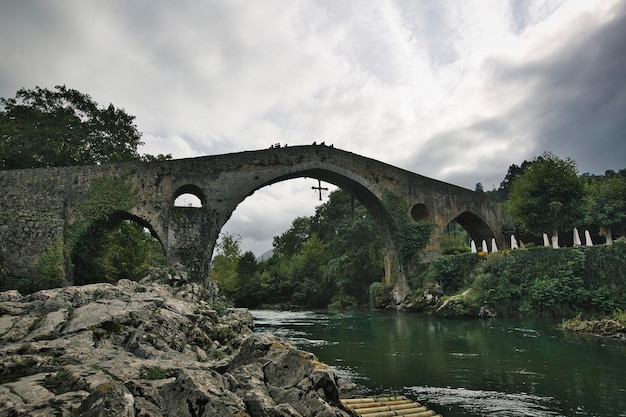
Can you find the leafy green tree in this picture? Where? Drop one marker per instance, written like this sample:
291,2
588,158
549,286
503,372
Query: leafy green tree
357,256
307,271
290,243
114,249
249,282
605,201
338,252
225,262
129,251
513,173
61,127
548,196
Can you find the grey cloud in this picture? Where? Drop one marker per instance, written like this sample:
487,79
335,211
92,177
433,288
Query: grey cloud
573,104
577,105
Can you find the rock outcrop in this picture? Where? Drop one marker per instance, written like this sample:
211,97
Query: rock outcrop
159,347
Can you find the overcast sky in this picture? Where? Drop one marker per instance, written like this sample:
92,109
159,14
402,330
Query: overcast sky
457,90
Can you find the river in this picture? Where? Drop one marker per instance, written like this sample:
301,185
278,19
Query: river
464,368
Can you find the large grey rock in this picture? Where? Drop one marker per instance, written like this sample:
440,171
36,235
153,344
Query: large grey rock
109,399
155,348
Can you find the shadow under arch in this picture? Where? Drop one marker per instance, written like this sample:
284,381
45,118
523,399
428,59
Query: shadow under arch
476,228
89,246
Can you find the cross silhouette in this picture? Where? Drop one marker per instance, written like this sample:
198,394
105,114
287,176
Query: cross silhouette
320,188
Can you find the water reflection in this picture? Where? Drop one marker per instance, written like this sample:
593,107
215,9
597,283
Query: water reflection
465,368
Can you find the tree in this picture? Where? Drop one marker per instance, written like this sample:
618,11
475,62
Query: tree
290,243
513,173
249,282
605,201
46,128
224,264
548,196
129,251
307,271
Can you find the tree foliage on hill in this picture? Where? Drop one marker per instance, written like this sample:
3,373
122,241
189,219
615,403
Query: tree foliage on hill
44,128
548,196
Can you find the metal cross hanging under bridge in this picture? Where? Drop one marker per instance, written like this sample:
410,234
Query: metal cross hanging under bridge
319,188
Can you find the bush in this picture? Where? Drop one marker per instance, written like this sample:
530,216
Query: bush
380,295
343,302
454,272
548,282
455,250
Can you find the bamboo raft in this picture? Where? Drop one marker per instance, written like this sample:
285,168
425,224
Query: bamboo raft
387,407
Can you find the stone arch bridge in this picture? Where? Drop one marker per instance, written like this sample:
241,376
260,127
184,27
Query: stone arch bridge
41,207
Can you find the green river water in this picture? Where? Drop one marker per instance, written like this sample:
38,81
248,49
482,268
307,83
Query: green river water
464,368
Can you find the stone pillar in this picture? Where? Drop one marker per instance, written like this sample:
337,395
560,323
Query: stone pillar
191,238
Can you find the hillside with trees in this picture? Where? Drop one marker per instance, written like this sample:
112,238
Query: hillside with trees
330,258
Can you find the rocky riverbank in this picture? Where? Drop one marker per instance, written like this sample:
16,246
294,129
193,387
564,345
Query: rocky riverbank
159,347
610,327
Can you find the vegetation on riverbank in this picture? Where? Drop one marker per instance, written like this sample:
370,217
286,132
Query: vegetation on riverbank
613,326
538,282
326,260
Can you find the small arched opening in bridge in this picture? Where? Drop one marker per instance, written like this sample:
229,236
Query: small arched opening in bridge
188,195
458,234
121,246
420,213
318,252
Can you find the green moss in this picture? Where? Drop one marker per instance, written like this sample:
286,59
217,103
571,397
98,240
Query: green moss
58,383
106,197
409,237
50,267
217,354
153,373
24,348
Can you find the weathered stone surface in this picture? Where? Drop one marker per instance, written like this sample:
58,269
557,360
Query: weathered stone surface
152,349
108,399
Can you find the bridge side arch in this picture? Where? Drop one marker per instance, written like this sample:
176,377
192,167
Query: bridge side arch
82,242
476,227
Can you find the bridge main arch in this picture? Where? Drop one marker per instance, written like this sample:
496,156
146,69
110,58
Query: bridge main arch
233,191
